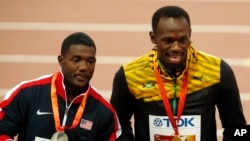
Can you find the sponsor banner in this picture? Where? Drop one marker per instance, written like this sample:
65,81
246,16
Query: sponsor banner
188,126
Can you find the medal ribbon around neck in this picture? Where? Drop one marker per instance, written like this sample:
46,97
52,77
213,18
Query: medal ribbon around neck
56,110
166,101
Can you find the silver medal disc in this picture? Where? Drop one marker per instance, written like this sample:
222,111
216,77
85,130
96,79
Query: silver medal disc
59,136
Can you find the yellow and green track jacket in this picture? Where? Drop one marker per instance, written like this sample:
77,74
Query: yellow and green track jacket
211,83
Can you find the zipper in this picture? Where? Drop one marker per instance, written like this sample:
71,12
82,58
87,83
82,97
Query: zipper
175,97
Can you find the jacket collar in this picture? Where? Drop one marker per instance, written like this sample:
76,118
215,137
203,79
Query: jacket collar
60,88
190,57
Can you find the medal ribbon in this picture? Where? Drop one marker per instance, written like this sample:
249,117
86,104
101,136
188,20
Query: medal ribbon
54,103
166,101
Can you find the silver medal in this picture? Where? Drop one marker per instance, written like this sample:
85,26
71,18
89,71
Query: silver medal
59,136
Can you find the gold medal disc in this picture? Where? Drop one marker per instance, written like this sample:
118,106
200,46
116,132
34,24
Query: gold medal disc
59,136
176,138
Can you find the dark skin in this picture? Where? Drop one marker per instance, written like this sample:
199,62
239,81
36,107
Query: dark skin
172,38
78,66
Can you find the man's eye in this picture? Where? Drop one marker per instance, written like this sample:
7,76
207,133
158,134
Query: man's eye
75,59
168,41
183,40
92,61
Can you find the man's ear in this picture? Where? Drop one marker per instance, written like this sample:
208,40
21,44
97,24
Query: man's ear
152,37
190,31
60,59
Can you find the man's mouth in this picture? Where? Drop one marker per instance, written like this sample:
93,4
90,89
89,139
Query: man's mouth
81,77
174,58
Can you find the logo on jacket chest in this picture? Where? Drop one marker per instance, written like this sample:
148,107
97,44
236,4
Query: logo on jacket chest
38,112
148,85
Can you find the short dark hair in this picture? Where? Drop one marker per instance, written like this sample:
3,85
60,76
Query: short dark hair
169,11
77,38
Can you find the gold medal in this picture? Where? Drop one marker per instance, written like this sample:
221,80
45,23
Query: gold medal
176,138
59,136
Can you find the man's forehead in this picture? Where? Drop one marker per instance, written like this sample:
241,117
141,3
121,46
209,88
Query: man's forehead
171,23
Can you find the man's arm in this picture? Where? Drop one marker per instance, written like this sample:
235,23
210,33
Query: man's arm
8,126
124,104
12,108
229,102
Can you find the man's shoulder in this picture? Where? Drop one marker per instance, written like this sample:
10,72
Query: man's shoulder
138,63
207,58
28,88
35,83
101,98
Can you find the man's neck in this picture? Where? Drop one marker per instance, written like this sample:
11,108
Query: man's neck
73,91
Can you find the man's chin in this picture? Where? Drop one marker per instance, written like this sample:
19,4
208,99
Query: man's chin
81,84
174,67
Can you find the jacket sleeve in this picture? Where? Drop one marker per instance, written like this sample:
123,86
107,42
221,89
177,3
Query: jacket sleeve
124,104
11,111
229,102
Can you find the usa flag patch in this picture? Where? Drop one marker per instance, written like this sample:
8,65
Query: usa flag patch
86,124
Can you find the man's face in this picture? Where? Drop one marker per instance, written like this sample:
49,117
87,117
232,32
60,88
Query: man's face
78,65
172,37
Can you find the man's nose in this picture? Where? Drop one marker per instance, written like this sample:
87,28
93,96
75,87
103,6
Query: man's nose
175,45
83,65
